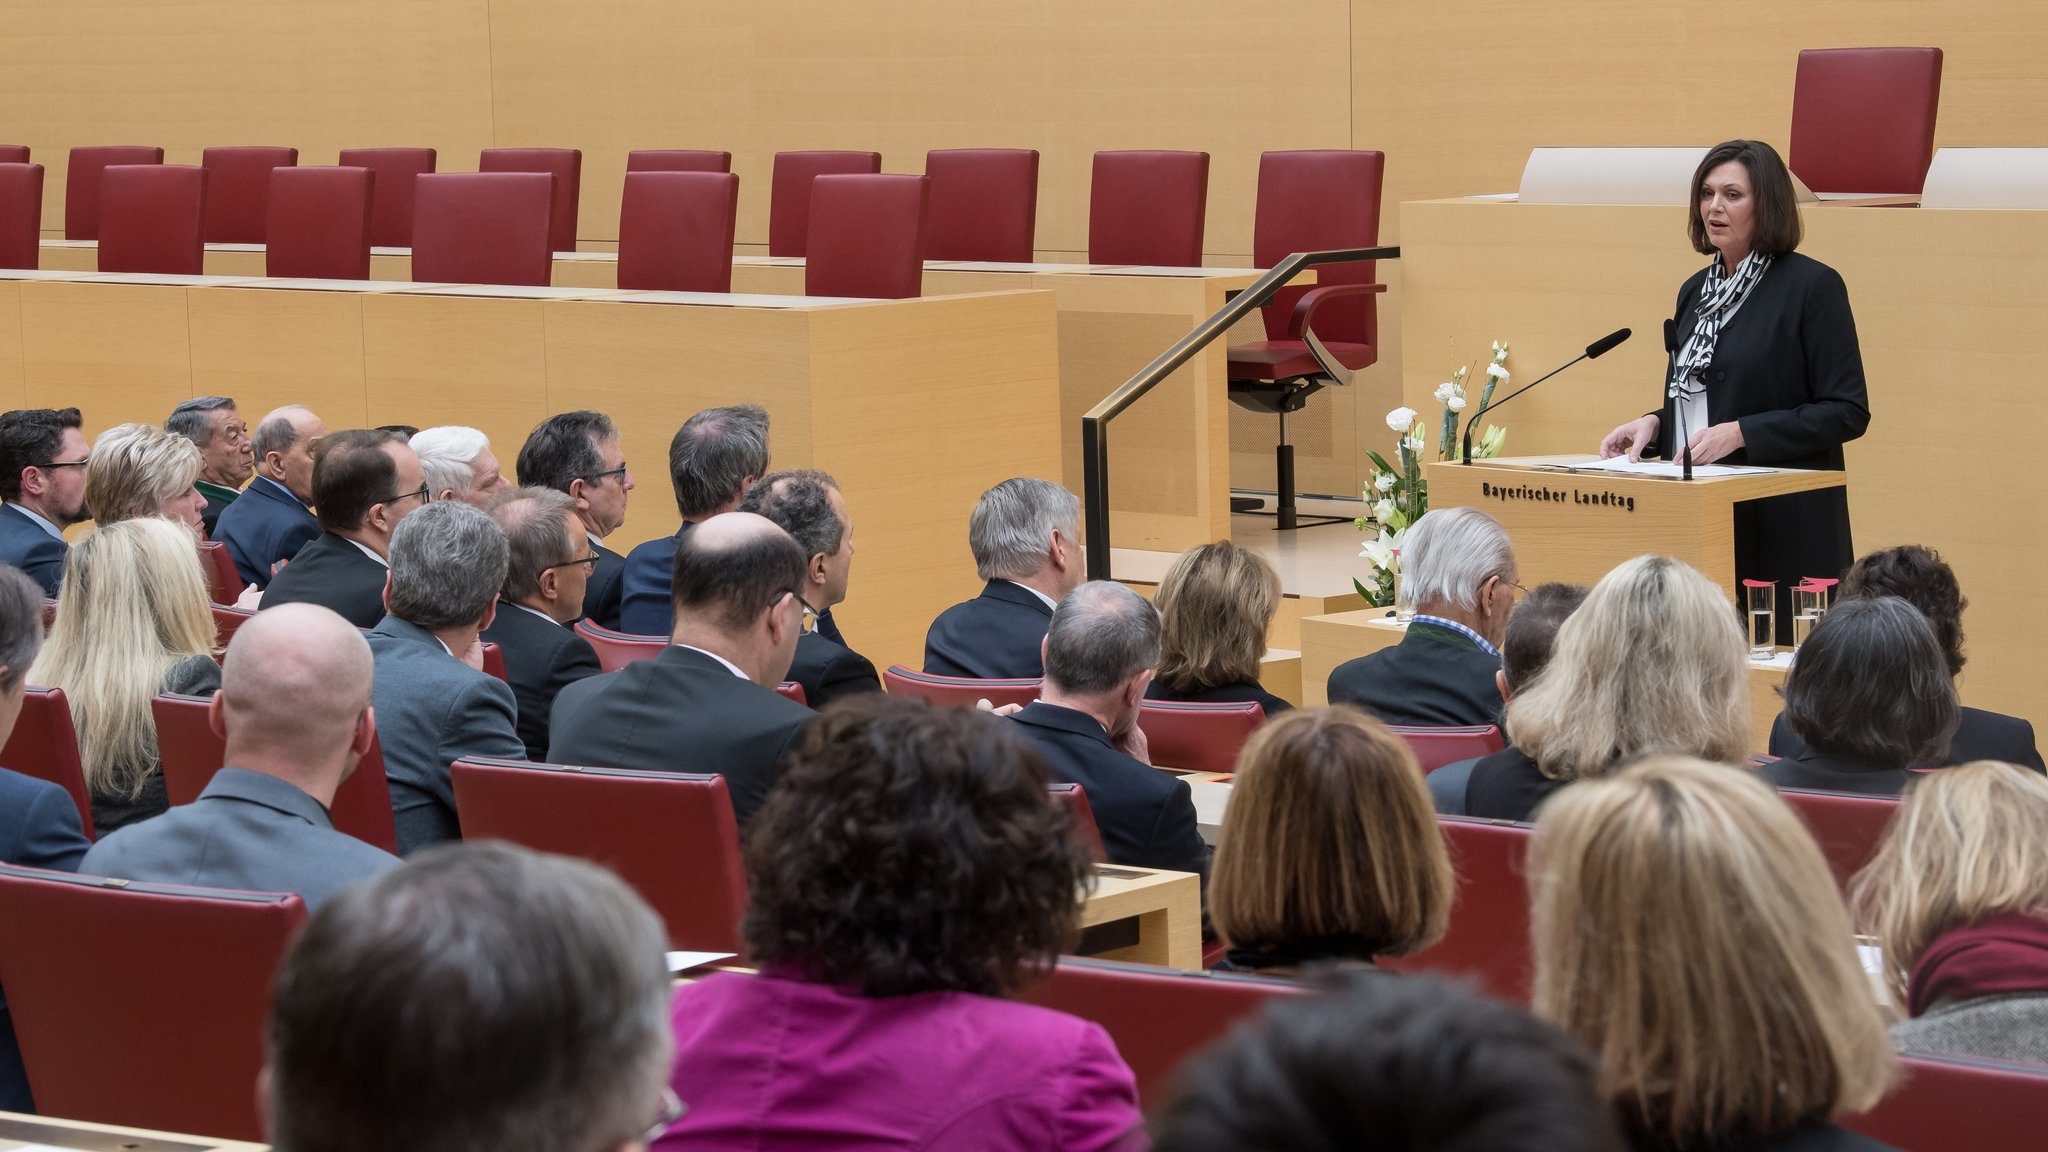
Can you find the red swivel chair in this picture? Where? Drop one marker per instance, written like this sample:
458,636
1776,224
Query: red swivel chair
1863,119
984,203
1946,1103
1198,737
223,583
142,1004
1436,747
238,191
482,228
82,184
45,745
21,214
13,153
566,165
671,835
1488,941
152,219
1075,800
225,621
677,160
789,193
615,650
391,206
867,236
1148,208
956,691
1846,825
320,223
676,230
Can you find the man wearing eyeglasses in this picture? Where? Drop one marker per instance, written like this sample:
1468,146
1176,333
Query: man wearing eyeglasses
809,506
544,591
578,454
42,478
364,482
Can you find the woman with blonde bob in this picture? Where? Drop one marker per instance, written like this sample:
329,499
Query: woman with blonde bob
141,470
1215,604
1329,849
132,621
1652,664
1686,929
1957,896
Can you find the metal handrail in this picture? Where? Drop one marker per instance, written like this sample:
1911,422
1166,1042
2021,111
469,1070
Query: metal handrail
1095,425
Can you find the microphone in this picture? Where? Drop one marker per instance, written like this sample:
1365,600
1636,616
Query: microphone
1594,351
1677,404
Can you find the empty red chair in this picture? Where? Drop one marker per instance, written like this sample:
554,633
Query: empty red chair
21,214
789,193
615,650
1846,825
955,691
225,621
238,191
1436,747
223,583
482,228
1863,119
181,976
152,219
676,230
1946,1103
1198,737
13,153
984,203
677,160
1148,208
1075,800
867,236
320,223
1488,939
391,202
671,835
565,165
45,745
82,184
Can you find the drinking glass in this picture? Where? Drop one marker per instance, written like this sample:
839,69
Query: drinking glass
1809,604
1404,605
1762,597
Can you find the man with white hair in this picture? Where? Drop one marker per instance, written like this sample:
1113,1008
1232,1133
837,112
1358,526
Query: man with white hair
459,465
1026,539
1458,569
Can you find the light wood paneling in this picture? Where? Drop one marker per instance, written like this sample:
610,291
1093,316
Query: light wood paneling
118,352
456,360
268,348
13,376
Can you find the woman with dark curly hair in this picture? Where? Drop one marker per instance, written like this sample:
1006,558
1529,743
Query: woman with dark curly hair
906,870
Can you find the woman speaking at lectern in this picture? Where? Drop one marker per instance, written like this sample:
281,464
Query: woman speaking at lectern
1764,368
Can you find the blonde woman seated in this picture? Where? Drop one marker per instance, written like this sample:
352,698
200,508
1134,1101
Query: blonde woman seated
1653,662
1329,849
1957,895
132,621
142,470
1215,605
1686,930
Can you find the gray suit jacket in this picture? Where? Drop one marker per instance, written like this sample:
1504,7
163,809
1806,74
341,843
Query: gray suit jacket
247,831
433,710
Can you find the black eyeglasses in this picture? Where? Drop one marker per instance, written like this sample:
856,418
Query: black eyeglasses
590,560
425,493
594,477
798,597
672,1110
65,464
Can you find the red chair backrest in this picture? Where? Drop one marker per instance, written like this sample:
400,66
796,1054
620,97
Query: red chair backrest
482,228
223,583
957,691
1198,737
789,193
867,236
1075,799
320,223
13,153
1312,201
1148,208
143,1004
794,691
671,835
677,160
45,745
21,214
1846,825
1863,119
1488,939
1958,1104
238,191
82,175
984,203
151,218
676,230
1436,747
565,164
225,622
494,660
615,650
391,200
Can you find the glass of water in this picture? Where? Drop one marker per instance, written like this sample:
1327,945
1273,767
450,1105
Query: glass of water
1809,603
1762,598
1404,604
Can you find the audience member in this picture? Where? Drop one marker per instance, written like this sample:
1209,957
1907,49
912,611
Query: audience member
458,465
905,873
365,483
1412,1065
1869,698
1653,662
1686,930
546,578
133,620
1329,849
707,702
275,519
578,453
810,507
1532,632
404,432
435,703
714,458
1026,539
1215,604
142,470
481,997
1957,896
42,479
294,709
1458,570
212,423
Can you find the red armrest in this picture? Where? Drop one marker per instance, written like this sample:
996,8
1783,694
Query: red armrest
1314,298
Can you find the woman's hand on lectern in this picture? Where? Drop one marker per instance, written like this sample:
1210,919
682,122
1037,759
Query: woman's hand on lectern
1716,442
1632,438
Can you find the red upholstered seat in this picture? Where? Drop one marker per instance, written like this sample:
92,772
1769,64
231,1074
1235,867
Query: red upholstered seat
142,1004
1075,799
13,154
565,164
1148,208
1290,359
238,191
494,660
151,219
867,236
958,691
671,835
615,650
45,745
1863,119
677,160
1313,201
1488,940
482,228
320,223
794,691
391,202
225,621
82,183
789,193
1198,737
223,583
21,214
984,203
1436,747
1959,1104
676,230
1847,825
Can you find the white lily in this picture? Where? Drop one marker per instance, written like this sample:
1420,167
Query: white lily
1401,419
1380,551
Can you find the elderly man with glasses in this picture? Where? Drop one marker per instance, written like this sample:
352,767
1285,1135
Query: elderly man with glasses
365,481
543,593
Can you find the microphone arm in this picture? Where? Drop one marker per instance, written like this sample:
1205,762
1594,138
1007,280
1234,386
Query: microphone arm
1678,406
1594,350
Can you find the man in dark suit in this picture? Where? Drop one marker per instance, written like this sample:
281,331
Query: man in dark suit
1025,535
1459,570
578,454
212,423
714,458
294,709
1099,655
273,518
549,567
42,478
1531,636
365,482
707,703
810,507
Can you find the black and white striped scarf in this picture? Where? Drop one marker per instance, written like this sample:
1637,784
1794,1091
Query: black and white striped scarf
1720,298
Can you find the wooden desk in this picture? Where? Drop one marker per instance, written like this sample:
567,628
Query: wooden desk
20,1131
1167,905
